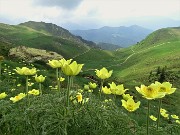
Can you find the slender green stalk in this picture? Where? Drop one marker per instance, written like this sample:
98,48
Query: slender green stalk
158,120
148,117
59,82
68,90
27,91
0,69
40,88
57,78
102,82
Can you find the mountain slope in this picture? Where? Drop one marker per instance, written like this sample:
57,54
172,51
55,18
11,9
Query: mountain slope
43,36
122,36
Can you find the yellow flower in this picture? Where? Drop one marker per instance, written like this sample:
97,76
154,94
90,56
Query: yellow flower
61,79
34,92
162,110
65,62
3,95
175,116
165,115
54,63
25,71
39,79
18,97
103,73
177,121
153,118
106,90
72,69
19,85
92,85
165,87
86,87
150,92
126,96
130,105
117,89
79,97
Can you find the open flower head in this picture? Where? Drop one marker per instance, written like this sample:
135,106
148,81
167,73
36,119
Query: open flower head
92,85
117,89
153,118
39,79
177,121
126,96
72,69
25,71
175,116
103,73
79,97
165,115
18,97
34,92
130,105
3,95
106,90
150,92
163,110
165,87
64,62
54,63
61,79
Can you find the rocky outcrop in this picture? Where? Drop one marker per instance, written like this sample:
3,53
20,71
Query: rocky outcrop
32,55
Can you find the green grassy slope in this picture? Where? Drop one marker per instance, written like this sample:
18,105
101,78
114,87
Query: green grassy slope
23,35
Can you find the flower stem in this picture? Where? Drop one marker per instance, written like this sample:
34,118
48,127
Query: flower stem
57,79
59,82
0,70
27,91
158,120
68,90
40,88
148,117
102,82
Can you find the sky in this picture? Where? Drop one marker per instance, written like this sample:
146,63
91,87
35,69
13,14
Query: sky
89,14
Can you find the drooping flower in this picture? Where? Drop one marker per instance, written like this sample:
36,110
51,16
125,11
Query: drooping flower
39,79
153,118
130,105
92,85
117,89
103,73
126,96
18,97
175,116
72,69
34,92
3,95
106,90
165,87
25,71
150,92
79,97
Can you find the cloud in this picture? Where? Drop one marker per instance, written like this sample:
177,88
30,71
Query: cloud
66,4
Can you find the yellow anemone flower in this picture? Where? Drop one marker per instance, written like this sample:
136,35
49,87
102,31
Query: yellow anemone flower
34,92
165,87
72,69
153,118
92,85
175,116
117,89
18,97
106,90
150,92
54,63
177,121
3,95
65,62
163,110
25,71
165,115
103,73
79,97
39,79
126,96
130,105
61,79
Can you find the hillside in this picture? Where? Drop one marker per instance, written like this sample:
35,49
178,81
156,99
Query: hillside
122,36
42,35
